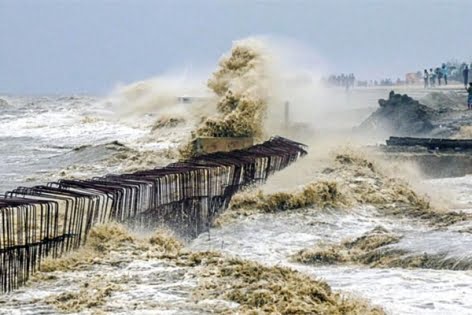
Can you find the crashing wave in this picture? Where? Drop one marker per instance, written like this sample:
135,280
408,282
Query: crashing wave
350,179
240,83
375,249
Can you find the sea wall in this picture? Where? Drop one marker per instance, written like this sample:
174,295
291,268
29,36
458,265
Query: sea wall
49,220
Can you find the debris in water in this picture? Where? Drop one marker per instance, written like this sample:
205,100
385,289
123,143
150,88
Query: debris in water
251,286
364,182
322,194
91,295
350,180
350,251
106,238
373,249
271,290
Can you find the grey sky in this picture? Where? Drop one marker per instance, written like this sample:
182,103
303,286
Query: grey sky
52,46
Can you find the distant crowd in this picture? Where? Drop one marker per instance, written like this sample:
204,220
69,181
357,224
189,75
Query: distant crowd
454,71
451,71
434,76
341,80
347,81
440,75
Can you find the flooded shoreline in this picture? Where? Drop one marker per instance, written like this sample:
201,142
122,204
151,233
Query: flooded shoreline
339,192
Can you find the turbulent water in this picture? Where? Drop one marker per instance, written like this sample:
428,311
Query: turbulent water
41,136
47,138
44,138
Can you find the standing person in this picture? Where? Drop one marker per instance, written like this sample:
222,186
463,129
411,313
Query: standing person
445,72
345,81
469,96
438,74
465,74
352,79
426,78
432,78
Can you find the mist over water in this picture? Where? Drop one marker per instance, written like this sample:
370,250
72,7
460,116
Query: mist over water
144,124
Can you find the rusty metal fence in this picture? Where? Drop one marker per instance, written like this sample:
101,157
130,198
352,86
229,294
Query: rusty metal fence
49,220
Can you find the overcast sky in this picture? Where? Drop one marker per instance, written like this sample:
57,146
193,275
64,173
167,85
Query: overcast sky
52,46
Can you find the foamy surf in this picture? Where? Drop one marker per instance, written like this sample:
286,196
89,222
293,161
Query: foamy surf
335,201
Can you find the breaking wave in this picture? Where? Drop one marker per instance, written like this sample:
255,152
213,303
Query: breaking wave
350,179
94,160
241,86
375,249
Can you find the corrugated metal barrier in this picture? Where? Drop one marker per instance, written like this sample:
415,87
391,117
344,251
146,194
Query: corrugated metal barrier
49,220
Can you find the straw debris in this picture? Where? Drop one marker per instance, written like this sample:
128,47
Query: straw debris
91,295
351,179
322,194
360,250
374,249
364,182
402,259
114,238
255,288
272,290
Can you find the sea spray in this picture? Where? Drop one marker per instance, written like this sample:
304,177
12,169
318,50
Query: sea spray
167,121
241,86
444,102
349,179
158,95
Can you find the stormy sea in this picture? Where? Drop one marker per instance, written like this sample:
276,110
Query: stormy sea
345,230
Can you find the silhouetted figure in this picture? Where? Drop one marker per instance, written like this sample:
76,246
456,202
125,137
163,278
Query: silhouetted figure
469,96
438,74
352,79
445,72
426,78
432,78
465,74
